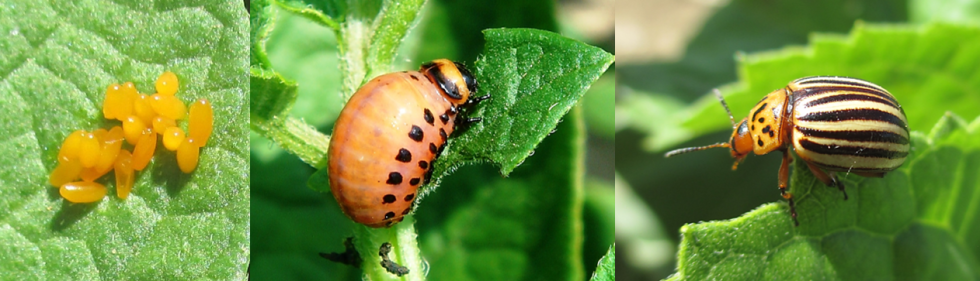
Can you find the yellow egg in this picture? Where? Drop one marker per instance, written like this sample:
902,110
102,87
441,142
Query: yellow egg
143,110
117,104
160,124
124,173
90,150
82,192
111,144
65,172
71,146
144,151
167,83
172,138
133,129
187,155
200,122
168,106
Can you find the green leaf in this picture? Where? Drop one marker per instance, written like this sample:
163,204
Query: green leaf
905,60
534,78
923,11
917,223
607,266
56,66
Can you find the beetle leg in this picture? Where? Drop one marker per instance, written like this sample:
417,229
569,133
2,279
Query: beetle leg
475,100
828,179
783,183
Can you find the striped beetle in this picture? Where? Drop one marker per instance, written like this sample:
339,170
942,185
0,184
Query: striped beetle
837,124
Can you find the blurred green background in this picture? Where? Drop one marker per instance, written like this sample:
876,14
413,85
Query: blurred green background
292,223
674,52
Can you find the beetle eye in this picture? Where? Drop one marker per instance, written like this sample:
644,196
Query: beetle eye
743,128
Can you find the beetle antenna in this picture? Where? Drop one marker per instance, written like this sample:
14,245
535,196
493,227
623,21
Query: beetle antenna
697,148
725,105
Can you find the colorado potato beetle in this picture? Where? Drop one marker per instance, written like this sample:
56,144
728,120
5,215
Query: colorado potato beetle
388,135
835,124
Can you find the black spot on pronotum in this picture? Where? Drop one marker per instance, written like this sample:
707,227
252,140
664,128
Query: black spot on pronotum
416,133
772,134
404,156
753,127
761,107
428,117
444,118
762,119
389,215
433,148
394,178
760,142
408,198
442,134
414,181
767,129
424,165
389,198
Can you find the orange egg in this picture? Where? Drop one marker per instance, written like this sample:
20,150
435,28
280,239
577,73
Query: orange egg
124,173
168,106
201,121
83,192
160,124
167,84
187,155
71,147
172,138
133,129
144,150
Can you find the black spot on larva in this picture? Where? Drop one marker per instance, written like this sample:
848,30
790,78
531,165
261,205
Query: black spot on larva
452,110
760,142
424,165
408,198
762,119
389,198
394,178
444,118
414,181
428,175
404,156
441,147
405,212
428,117
416,78
416,133
389,215
442,134
433,148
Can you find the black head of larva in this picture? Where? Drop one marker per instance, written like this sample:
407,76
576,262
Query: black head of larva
455,81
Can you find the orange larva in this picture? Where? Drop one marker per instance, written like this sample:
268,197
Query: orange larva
124,173
388,135
168,106
82,192
187,155
144,151
167,83
172,138
200,122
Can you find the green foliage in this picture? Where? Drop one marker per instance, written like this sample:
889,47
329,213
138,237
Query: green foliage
56,65
607,266
484,227
918,223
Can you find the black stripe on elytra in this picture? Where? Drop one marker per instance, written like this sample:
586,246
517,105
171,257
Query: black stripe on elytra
854,114
846,97
851,150
834,80
865,135
810,91
448,87
854,169
761,107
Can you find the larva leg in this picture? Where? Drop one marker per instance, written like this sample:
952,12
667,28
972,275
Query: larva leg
828,179
783,184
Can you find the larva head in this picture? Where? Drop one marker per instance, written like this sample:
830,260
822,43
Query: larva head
740,143
455,81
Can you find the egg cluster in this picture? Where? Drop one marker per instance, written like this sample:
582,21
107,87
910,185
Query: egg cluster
90,155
